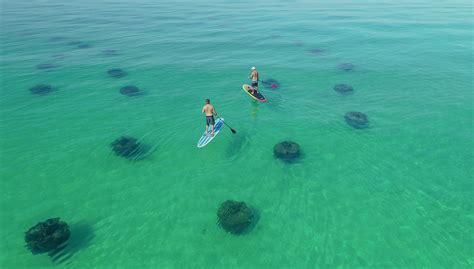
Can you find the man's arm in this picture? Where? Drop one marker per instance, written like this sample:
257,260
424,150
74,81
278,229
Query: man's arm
214,112
202,111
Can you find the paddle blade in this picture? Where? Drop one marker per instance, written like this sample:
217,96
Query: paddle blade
233,131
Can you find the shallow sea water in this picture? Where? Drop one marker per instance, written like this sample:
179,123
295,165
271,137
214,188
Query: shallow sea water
395,195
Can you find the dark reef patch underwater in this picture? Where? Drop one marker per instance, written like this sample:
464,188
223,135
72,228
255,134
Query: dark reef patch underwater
346,66
57,38
287,151
344,89
47,236
234,217
84,46
74,43
316,51
47,66
128,147
116,73
357,120
41,89
110,52
130,91
79,44
58,56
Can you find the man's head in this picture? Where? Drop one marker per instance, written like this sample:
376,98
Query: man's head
208,101
253,68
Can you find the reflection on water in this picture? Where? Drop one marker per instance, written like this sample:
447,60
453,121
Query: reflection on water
82,235
238,145
275,103
254,109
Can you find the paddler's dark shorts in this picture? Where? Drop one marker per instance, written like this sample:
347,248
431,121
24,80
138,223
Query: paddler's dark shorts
254,83
210,120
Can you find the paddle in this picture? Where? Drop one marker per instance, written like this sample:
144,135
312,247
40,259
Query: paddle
231,129
274,86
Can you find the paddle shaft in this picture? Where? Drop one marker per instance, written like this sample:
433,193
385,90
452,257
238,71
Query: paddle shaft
231,129
274,85
266,82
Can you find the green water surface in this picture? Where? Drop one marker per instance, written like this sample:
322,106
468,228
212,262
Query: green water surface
395,195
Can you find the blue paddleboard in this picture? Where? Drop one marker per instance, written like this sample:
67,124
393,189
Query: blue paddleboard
206,137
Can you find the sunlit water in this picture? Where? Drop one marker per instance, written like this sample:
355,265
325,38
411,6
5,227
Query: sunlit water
395,195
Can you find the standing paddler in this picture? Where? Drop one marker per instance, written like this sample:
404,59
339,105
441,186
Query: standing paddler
210,112
254,77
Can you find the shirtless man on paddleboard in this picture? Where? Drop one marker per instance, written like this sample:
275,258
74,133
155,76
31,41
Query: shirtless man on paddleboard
210,112
254,77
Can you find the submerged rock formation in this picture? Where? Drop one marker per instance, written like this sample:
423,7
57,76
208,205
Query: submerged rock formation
41,89
57,38
116,73
346,66
79,44
75,43
83,46
130,91
110,52
59,56
234,217
46,66
298,43
316,51
344,88
127,147
47,236
357,120
287,151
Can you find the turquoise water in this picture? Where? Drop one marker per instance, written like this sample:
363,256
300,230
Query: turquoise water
395,195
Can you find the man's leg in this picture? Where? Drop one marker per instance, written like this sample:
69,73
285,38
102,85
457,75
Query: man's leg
212,130
212,123
254,87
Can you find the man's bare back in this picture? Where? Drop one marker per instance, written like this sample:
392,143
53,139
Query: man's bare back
208,109
254,75
210,112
